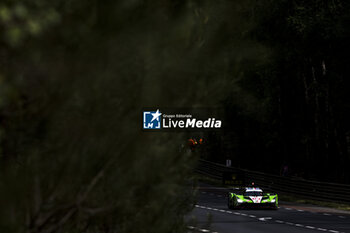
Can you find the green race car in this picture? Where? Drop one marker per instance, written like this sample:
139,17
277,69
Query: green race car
251,197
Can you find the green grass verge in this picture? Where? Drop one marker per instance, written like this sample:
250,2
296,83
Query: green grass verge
208,180
299,200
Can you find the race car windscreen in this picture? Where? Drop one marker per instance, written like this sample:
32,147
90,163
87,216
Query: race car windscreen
253,193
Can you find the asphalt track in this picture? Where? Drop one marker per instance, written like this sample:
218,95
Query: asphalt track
212,215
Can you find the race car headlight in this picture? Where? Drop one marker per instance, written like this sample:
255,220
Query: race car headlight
273,200
239,200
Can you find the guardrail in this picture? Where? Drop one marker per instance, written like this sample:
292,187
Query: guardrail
320,191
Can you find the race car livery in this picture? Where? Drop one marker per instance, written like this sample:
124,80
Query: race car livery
251,197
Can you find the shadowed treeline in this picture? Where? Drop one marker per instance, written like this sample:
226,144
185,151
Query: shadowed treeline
302,93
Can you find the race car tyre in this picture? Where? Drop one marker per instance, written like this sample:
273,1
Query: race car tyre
235,206
229,205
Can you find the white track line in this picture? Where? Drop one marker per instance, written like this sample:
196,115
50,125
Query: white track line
266,218
192,228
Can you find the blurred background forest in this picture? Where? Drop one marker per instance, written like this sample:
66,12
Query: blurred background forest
74,76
